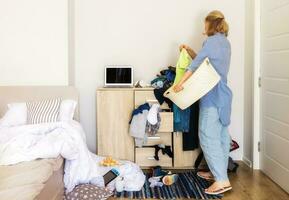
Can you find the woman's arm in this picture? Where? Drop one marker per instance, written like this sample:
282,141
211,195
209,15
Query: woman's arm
199,58
178,87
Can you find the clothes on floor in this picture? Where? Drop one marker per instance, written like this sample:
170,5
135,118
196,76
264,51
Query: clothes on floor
232,166
215,142
166,179
155,182
182,64
218,49
191,137
158,171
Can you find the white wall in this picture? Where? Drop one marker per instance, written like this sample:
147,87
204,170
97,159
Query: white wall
146,34
33,42
248,82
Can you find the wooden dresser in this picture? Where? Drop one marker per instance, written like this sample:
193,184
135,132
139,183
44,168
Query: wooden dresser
114,108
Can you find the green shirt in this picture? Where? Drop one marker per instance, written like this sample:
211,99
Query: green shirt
183,62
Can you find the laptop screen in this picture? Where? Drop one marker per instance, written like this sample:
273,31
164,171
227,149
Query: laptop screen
118,75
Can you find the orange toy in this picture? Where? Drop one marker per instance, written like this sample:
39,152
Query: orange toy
109,162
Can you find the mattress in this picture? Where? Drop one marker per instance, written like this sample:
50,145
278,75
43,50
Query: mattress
39,179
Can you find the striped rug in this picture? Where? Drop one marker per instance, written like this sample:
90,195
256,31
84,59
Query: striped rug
188,186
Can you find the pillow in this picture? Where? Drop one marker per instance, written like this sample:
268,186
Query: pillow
43,111
88,192
67,109
16,115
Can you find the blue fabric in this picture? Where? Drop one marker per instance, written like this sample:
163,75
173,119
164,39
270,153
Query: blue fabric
181,119
218,49
170,75
215,142
139,109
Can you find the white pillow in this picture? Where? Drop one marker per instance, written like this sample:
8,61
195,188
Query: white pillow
16,115
67,109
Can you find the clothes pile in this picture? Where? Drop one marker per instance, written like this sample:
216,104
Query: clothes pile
160,177
185,121
162,82
145,121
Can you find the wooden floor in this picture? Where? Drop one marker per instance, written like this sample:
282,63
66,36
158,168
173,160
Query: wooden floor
252,185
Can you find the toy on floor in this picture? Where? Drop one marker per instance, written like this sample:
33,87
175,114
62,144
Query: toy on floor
161,177
170,179
109,162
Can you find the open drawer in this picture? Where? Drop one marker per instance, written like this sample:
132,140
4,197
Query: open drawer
167,122
147,96
145,158
159,138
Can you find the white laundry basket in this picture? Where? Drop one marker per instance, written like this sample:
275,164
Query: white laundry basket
199,84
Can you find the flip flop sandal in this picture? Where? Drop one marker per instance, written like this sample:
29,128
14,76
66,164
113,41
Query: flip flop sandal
205,177
219,191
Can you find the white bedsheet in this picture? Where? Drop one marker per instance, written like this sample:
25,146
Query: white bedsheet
29,142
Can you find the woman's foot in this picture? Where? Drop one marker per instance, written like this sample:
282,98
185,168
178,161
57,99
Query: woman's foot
206,175
218,187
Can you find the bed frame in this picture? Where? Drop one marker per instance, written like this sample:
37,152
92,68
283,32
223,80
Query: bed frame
54,186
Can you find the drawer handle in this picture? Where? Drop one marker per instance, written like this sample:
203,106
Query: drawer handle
151,158
154,137
152,101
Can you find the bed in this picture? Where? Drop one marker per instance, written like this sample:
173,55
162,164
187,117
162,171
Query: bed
23,178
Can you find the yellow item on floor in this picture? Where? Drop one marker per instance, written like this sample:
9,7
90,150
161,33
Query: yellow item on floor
183,62
109,162
199,84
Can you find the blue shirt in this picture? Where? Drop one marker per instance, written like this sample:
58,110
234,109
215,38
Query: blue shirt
218,49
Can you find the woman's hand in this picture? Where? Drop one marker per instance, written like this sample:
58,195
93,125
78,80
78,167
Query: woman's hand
177,88
189,50
183,46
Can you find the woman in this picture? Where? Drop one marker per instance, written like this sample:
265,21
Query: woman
215,106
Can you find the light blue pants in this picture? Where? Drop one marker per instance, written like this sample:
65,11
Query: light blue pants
215,142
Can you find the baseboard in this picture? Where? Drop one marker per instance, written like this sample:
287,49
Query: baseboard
247,162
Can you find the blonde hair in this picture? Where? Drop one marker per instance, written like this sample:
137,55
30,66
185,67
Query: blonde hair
217,23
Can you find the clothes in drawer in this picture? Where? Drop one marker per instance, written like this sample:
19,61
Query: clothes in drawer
160,138
167,122
141,97
145,158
